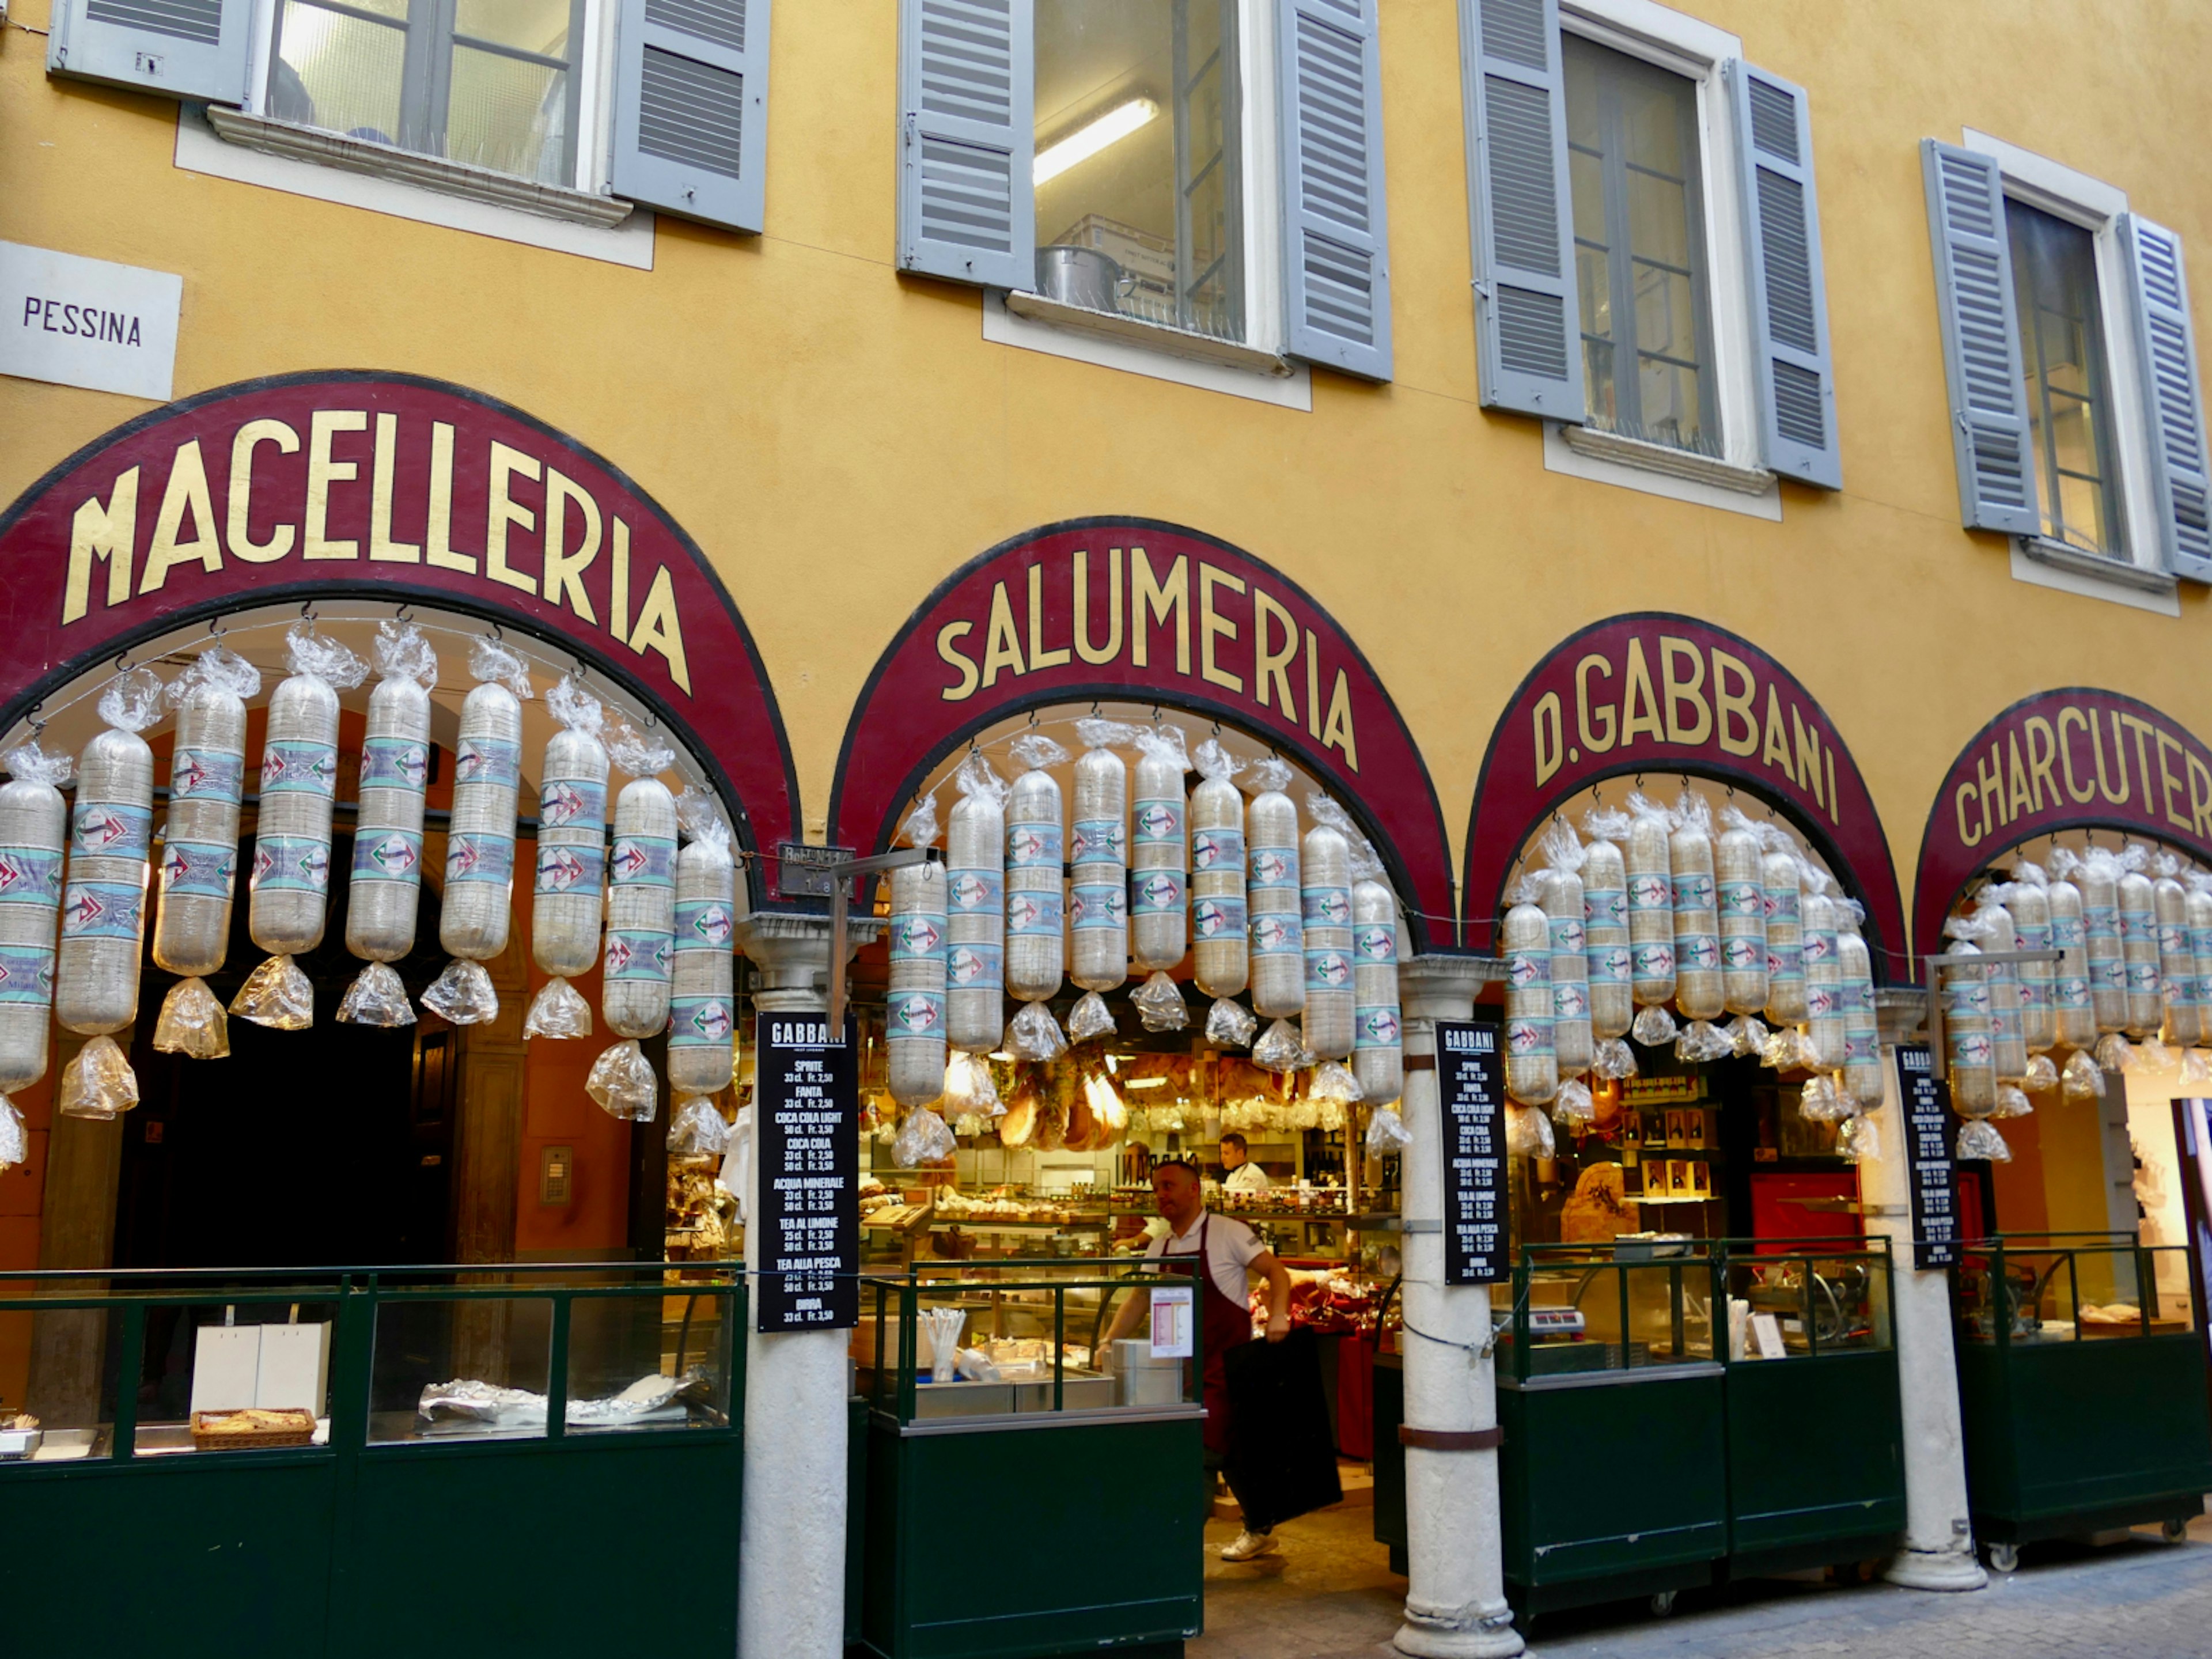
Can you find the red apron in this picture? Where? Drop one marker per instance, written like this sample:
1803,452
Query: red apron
1225,1323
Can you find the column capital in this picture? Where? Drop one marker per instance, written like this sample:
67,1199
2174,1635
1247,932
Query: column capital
1902,1013
793,954
1430,988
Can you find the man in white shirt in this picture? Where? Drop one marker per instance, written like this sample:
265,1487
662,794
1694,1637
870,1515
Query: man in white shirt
1239,1174
1231,1253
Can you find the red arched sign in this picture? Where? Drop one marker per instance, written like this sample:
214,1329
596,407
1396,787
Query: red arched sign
1139,610
2071,759
1653,692
362,484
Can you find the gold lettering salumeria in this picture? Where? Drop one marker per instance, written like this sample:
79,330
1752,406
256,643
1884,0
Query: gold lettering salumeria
190,536
2103,758
1260,655
1700,695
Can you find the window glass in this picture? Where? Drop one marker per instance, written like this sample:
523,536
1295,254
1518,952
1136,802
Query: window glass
1639,254
490,83
2054,271
1139,172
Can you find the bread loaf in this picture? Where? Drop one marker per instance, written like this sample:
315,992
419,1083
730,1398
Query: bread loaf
1378,1041
975,910
387,884
1098,860
1037,948
480,845
1220,956
638,957
1531,1068
2139,951
702,1022
2177,968
567,900
104,903
1158,854
1739,872
1824,978
914,1005
199,840
1604,930
1271,833
1650,902
1325,918
34,832
1780,895
2071,1000
1698,988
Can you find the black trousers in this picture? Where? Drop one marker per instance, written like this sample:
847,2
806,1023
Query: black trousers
1217,1464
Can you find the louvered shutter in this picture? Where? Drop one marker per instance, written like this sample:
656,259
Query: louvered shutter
2166,346
192,48
1789,295
1528,335
1981,340
967,205
691,108
1336,252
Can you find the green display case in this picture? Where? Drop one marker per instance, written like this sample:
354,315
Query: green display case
1815,1431
1054,1509
602,1437
2081,1385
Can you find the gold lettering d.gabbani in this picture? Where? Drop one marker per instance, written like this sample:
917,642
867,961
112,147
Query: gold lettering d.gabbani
534,510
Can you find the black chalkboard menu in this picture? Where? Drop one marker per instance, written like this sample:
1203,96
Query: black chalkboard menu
806,1101
1927,1156
1471,1082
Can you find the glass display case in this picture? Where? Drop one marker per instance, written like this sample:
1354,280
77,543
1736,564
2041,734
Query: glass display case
2081,1385
993,1392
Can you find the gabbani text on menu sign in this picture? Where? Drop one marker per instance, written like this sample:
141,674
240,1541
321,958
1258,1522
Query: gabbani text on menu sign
1927,1156
1471,1082
807,1099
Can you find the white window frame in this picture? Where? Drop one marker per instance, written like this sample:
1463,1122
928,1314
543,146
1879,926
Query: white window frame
2080,199
1700,53
1255,368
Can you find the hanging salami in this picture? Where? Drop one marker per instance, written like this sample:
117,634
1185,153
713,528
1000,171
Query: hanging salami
199,847
386,891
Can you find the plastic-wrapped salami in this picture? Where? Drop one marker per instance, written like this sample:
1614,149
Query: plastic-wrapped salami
1377,1041
1560,891
2027,896
1098,859
1969,1035
2070,995
104,900
569,892
638,957
1698,988
1605,925
2138,905
1862,1076
2098,875
1271,838
1036,947
1325,875
976,909
1531,1068
702,1025
1996,931
199,846
1159,912
33,833
1739,872
913,1006
385,889
1651,914
2177,968
2198,884
1781,896
475,918
1824,974
1220,959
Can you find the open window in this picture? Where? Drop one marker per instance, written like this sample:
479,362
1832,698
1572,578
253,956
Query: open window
2076,416
575,109
1647,241
1202,176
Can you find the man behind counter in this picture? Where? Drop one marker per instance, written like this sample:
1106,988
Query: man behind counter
1239,1174
1224,1309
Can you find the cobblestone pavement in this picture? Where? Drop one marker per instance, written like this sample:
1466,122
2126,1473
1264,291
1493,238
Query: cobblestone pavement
1329,1595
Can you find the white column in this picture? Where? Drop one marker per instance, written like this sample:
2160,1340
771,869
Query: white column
1939,1536
1455,1605
791,1585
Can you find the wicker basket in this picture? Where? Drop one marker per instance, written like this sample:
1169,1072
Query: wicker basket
287,1428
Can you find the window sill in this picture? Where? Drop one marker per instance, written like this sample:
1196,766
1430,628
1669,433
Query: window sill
332,149
2067,569
2060,557
1175,342
1671,463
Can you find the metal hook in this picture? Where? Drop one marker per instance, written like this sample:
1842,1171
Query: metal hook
1094,708
214,626
974,747
122,660
306,610
37,724
498,633
1033,718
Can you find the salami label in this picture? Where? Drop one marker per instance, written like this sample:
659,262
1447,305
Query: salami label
1155,892
202,774
1217,917
394,764
26,974
111,830
390,855
1376,1027
1274,866
1277,935
917,938
570,869
1093,905
290,864
975,967
30,875
292,768
1098,841
103,909
704,925
1328,970
198,869
480,858
1377,941
1330,907
571,804
1605,907
1156,824
913,1014
1033,915
638,954
700,1021
975,892
1033,846
1215,849
646,861
493,761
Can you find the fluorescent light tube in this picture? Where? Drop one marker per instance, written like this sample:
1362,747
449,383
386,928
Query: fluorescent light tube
1086,142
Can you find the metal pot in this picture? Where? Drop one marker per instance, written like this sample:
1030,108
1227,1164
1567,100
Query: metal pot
1082,276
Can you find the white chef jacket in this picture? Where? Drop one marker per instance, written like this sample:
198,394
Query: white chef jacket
1248,1178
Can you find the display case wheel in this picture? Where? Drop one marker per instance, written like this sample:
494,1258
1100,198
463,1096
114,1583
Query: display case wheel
2176,1530
2004,1558
1663,1604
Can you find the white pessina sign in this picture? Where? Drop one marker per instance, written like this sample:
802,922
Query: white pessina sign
87,322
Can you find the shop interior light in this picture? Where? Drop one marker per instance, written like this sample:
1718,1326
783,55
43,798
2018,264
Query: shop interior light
1086,142
1145,1083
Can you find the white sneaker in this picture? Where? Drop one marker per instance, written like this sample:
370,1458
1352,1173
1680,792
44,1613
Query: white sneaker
1248,1545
